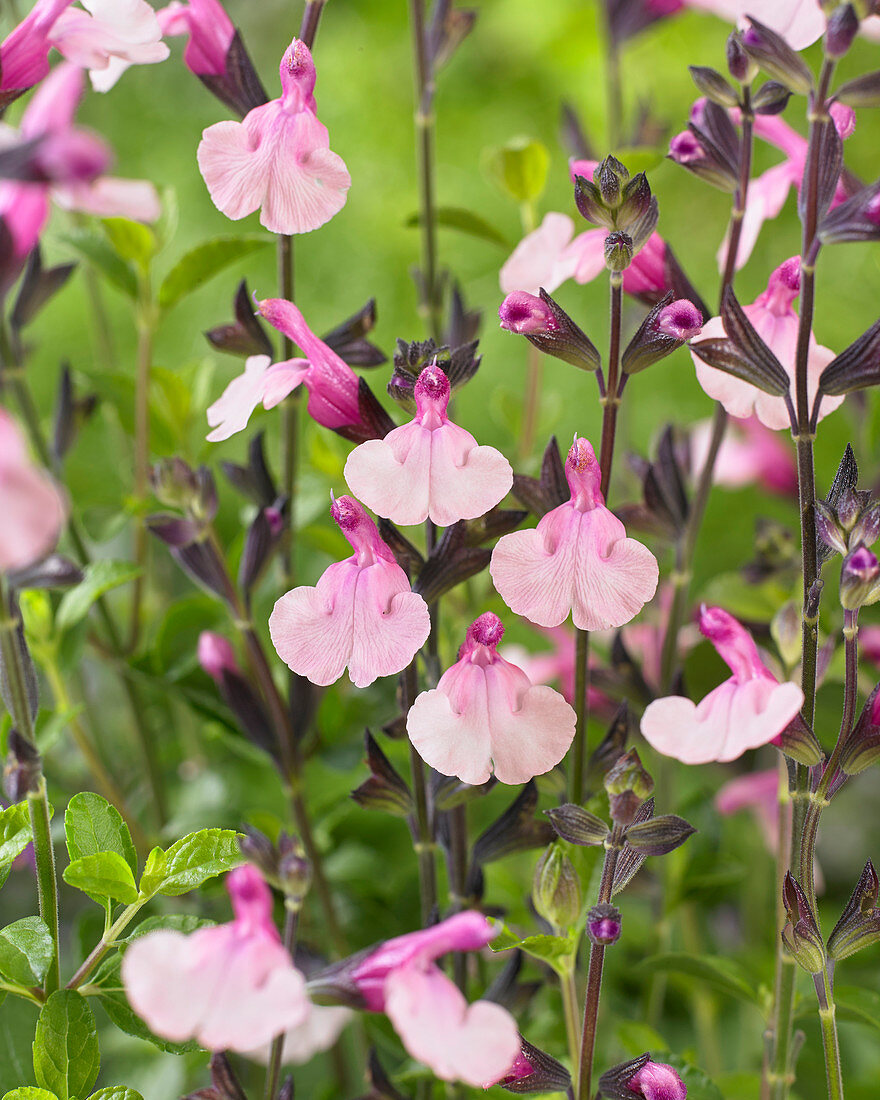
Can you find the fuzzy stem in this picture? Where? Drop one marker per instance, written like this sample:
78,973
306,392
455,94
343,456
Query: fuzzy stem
424,123
106,942
830,1044
273,1067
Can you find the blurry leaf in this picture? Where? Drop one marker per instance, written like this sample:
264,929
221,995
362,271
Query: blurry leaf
204,262
26,951
757,603
721,974
101,256
92,825
15,835
50,725
66,1058
116,1092
170,405
860,1006
636,1036
699,1086
190,862
133,242
174,648
520,168
102,875
641,158
100,577
29,1092
454,217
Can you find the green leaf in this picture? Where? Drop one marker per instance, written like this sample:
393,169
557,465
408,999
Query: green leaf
558,951
757,603
26,951
18,1019
116,1092
721,974
100,577
465,221
636,1036
698,1085
190,862
520,168
100,254
133,242
29,1092
92,825
66,1058
102,875
15,835
202,263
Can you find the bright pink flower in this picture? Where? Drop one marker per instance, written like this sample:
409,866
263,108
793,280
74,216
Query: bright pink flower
216,655
747,710
278,159
657,1081
24,53
33,510
485,715
776,322
459,1042
749,453
758,792
429,468
578,559
108,37
232,987
210,32
646,275
800,22
362,614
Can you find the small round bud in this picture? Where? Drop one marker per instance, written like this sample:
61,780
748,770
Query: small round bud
843,26
604,924
739,64
859,579
618,251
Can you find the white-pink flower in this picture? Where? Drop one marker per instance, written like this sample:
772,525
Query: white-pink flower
774,319
800,22
278,159
429,468
578,559
361,615
749,709
108,37
33,510
485,715
233,987
232,410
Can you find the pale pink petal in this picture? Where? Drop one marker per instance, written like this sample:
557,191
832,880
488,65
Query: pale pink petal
391,624
231,411
532,738
473,1044
234,168
32,507
392,476
109,197
25,209
535,262
450,728
108,37
282,379
800,22
616,576
156,971
746,791
53,105
319,1031
584,259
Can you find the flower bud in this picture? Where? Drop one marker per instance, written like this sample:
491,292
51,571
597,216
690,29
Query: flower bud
680,319
862,747
590,203
859,579
843,26
801,935
627,785
776,57
642,1077
294,870
829,529
577,825
690,152
533,1070
771,98
603,924
618,251
556,889
546,325
859,924
739,64
23,769
526,314
216,655
713,85
635,202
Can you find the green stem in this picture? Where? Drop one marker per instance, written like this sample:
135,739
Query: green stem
146,325
107,942
572,1013
273,1069
582,710
830,1043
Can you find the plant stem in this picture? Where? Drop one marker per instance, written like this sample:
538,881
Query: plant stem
572,1014
146,324
424,123
423,837
830,1044
37,797
106,942
273,1068
582,710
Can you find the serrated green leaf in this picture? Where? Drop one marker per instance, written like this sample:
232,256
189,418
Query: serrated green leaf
557,951
721,974
101,255
116,1092
520,168
29,1092
465,221
191,861
66,1058
154,872
102,875
15,835
100,577
26,951
131,241
202,263
92,825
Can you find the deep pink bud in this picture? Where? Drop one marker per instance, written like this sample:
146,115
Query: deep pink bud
216,655
658,1081
210,33
680,319
603,924
525,313
684,148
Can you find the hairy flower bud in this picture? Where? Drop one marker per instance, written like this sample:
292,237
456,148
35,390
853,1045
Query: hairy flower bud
862,747
859,579
859,924
618,251
801,935
739,64
627,785
776,57
546,325
556,889
642,1077
604,924
843,26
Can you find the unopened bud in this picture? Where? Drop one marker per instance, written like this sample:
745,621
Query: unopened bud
526,314
294,870
23,769
862,748
771,98
776,57
843,26
618,251
801,935
739,64
216,655
859,579
545,324
628,785
556,889
603,924
859,924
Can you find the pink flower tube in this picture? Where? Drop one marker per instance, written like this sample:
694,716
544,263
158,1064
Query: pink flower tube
33,510
485,715
24,53
749,453
429,468
209,30
278,159
361,615
233,987
750,709
578,559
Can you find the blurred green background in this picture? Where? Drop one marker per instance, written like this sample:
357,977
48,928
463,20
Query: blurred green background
509,79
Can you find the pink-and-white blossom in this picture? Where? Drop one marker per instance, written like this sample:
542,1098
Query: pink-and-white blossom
800,22
233,409
429,468
108,37
578,559
475,1043
749,709
33,509
485,716
209,32
233,987
773,317
278,159
749,453
361,615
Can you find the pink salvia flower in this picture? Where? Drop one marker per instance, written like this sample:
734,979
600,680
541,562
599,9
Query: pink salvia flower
800,22
33,510
24,53
776,322
232,987
749,453
278,159
680,319
362,614
758,792
429,468
747,710
459,1042
537,261
321,1029
657,1081
209,30
526,313
216,655
578,559
485,715
108,37
232,410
